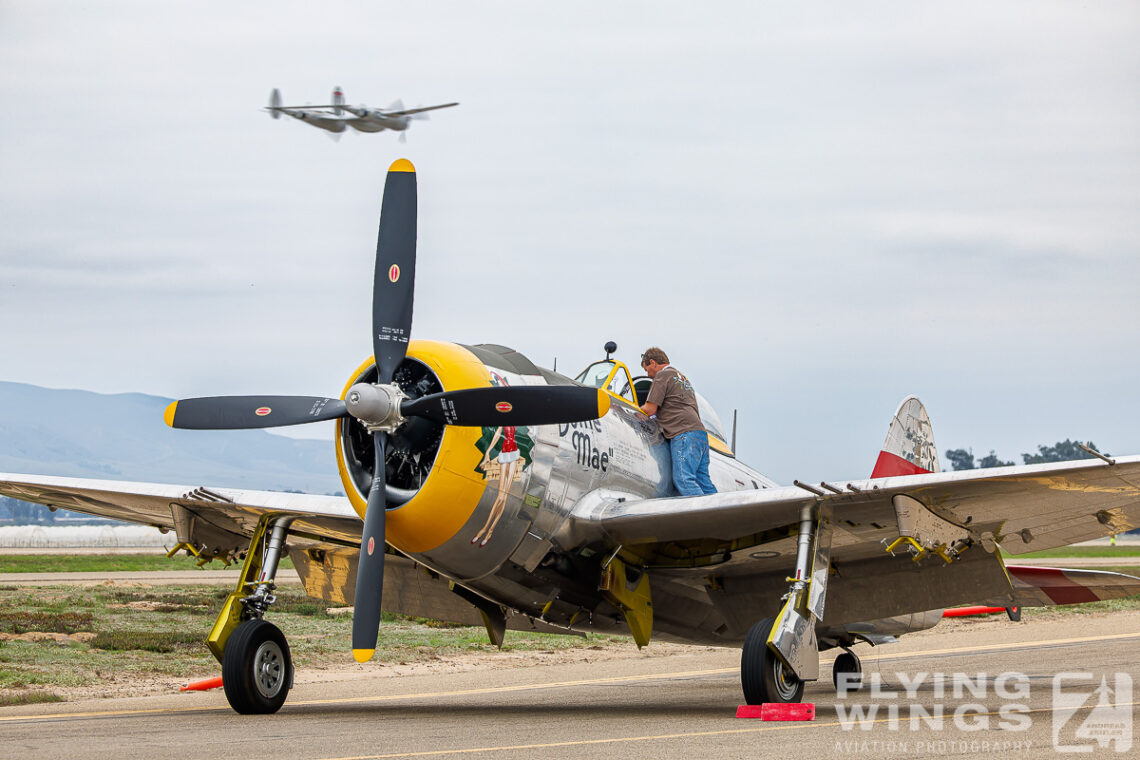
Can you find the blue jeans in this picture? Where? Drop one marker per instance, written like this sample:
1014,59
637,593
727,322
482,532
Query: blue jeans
690,454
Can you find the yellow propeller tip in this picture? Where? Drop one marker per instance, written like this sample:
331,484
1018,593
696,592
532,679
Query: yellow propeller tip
363,655
402,165
603,403
168,415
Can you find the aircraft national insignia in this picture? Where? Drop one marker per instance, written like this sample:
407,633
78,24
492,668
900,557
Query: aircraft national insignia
503,406
262,411
394,273
371,545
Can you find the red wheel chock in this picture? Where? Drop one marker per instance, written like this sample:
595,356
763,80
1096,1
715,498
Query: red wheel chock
778,711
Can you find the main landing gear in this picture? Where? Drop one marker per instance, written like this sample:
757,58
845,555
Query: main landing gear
781,653
847,672
257,669
764,676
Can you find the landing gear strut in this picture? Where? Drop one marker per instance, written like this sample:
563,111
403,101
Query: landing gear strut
781,653
257,669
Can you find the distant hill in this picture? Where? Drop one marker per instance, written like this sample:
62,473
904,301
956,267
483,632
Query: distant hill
123,437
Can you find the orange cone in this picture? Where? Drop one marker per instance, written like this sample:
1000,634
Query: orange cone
209,683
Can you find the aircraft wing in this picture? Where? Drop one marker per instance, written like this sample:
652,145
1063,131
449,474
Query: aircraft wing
223,518
401,112
738,548
323,543
316,110
410,111
1024,508
323,110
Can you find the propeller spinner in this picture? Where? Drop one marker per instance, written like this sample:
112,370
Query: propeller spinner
382,407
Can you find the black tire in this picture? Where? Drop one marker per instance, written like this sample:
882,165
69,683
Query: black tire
848,662
257,670
763,675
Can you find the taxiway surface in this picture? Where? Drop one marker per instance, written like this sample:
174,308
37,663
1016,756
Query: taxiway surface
679,706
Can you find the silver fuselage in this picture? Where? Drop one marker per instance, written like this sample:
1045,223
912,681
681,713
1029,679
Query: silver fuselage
372,120
536,545
317,119
576,468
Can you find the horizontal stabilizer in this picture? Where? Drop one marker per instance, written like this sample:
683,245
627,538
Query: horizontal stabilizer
1049,586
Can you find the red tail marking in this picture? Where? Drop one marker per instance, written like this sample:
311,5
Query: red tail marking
889,465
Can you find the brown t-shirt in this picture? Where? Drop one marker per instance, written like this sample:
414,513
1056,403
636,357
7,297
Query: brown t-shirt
676,403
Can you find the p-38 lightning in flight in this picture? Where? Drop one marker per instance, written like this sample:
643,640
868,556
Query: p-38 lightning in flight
332,117
483,487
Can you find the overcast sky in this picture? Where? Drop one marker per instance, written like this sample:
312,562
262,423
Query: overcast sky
815,210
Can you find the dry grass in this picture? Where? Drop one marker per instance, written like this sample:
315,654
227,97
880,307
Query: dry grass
8,698
26,621
152,640
145,641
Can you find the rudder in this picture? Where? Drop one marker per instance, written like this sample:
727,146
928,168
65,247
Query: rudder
909,448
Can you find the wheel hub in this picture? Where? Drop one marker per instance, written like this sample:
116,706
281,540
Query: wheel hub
268,669
786,681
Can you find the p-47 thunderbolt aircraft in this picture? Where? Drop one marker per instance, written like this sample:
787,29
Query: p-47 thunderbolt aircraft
493,489
361,118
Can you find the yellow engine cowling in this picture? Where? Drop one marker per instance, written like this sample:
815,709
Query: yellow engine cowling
439,506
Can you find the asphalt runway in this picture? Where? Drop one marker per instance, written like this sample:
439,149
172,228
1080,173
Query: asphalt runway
676,706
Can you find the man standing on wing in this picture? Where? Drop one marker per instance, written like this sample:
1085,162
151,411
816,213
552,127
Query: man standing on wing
672,399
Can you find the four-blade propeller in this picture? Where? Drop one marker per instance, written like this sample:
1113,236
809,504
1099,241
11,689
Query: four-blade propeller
382,407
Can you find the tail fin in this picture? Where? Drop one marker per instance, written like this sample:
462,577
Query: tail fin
909,448
338,100
397,105
275,103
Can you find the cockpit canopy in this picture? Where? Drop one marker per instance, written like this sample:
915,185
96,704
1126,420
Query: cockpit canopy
614,377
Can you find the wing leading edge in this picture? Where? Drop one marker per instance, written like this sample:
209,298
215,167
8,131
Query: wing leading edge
221,518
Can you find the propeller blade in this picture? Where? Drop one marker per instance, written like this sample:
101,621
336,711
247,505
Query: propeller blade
516,405
370,570
393,288
394,285
245,412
